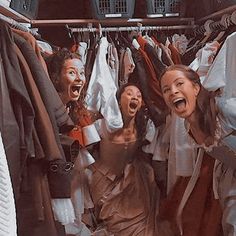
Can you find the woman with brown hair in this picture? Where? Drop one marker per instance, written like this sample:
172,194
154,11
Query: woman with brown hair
210,123
67,73
123,188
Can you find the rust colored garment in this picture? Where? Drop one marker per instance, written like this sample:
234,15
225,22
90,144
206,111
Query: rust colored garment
77,134
124,192
155,41
166,57
175,55
154,85
202,213
82,117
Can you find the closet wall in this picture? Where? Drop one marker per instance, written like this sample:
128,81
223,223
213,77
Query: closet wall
71,9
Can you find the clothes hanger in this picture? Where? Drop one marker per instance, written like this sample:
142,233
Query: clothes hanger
70,33
206,31
123,41
100,34
230,23
225,22
110,40
86,38
74,46
219,28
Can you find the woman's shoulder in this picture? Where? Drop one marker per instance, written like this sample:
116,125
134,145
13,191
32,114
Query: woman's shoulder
227,112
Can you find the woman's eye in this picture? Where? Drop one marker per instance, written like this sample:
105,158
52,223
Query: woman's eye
72,72
166,90
179,83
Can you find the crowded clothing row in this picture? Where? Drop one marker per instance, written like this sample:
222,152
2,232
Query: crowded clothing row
31,116
115,139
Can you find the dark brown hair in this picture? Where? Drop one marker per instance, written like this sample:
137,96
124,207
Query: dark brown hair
205,99
55,64
141,117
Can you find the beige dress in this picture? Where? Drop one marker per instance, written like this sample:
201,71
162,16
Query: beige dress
124,191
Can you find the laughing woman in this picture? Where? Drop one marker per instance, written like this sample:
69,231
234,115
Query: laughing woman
67,73
123,187
211,123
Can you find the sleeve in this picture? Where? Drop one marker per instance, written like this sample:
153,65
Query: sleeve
151,131
159,141
101,92
222,72
227,108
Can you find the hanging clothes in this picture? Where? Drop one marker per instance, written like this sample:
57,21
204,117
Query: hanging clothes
175,55
7,202
113,63
41,198
30,113
127,65
101,92
222,76
204,59
17,111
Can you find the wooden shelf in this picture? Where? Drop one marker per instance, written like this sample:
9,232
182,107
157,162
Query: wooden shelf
116,22
8,12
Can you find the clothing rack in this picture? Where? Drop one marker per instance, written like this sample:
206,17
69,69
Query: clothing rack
210,25
21,26
216,15
131,28
114,22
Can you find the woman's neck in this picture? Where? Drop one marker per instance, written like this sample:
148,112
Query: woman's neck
128,122
194,120
197,133
127,133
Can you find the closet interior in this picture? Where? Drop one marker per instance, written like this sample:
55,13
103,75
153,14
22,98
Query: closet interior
33,116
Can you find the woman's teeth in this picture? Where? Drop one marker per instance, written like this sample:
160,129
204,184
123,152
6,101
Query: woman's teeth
178,103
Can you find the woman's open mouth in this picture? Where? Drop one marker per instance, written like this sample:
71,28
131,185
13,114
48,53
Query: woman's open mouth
133,104
76,89
179,103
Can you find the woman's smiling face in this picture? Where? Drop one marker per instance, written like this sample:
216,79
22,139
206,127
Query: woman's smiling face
179,93
72,79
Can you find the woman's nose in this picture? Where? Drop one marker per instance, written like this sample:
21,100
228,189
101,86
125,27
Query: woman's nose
80,77
135,97
174,90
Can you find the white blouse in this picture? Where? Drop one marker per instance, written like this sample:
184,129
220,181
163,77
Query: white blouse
101,92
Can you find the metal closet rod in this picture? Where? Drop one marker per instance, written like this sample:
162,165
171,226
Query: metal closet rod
226,21
130,28
17,25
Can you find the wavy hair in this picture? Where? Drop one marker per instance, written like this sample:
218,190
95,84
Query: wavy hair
55,64
205,99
